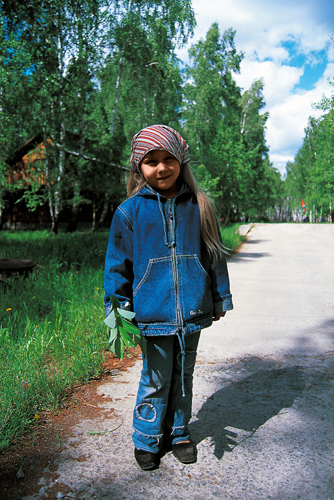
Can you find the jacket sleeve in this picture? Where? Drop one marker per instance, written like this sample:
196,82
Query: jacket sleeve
118,271
220,285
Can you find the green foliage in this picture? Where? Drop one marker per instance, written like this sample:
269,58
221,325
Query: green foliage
87,75
207,182
226,130
123,333
311,176
210,93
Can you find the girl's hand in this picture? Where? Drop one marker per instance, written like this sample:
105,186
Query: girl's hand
219,315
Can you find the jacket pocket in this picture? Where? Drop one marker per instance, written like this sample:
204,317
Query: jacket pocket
195,294
154,297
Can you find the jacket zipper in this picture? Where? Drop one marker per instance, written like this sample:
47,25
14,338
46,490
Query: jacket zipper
172,222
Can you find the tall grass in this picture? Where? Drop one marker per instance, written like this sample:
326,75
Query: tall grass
51,324
231,238
52,333
65,250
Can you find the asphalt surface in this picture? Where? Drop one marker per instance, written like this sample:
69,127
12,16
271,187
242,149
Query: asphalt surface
282,283
263,409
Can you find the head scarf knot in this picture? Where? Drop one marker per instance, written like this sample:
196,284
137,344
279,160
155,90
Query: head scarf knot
160,137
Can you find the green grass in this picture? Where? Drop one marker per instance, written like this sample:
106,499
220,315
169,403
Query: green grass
65,250
231,239
52,333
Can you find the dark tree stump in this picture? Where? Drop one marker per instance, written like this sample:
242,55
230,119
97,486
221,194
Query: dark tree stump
16,266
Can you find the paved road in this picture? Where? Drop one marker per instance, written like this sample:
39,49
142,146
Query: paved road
282,283
263,408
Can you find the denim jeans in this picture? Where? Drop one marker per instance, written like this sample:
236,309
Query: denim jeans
161,410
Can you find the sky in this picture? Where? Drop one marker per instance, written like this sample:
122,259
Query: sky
288,44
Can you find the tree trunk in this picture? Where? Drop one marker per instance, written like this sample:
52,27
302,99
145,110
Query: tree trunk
72,226
227,216
81,96
118,83
61,156
94,216
1,218
104,210
49,185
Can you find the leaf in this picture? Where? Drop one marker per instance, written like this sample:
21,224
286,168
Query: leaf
128,341
137,333
126,314
122,331
141,341
113,334
130,327
142,344
119,347
110,320
114,302
112,347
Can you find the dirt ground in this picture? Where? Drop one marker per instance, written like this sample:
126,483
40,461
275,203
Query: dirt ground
37,450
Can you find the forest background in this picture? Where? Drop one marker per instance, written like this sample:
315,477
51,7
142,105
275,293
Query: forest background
86,76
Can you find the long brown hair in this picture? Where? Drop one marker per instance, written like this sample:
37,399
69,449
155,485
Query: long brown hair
209,224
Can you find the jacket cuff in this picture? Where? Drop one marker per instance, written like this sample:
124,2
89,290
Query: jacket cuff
225,305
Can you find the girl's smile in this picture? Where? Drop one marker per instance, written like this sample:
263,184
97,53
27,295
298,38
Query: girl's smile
161,170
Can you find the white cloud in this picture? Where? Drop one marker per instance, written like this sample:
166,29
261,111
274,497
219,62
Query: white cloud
262,28
279,80
288,119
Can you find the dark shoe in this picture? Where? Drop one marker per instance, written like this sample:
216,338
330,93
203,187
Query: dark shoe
185,452
167,445
146,459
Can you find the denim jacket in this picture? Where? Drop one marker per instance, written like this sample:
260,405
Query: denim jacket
157,261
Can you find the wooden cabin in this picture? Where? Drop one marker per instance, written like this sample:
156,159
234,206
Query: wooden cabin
25,165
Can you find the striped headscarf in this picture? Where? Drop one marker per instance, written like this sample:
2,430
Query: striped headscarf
159,137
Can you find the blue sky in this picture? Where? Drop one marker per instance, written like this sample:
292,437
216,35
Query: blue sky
288,44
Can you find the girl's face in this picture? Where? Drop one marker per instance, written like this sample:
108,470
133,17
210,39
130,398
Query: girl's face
161,170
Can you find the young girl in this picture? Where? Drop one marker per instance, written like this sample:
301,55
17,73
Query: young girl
165,261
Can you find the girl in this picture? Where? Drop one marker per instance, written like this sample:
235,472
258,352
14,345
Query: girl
165,261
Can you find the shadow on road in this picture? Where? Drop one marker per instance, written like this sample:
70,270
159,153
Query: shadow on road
314,340
252,242
250,255
246,405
